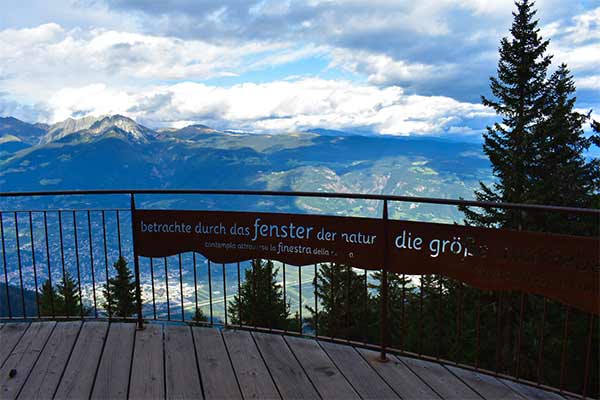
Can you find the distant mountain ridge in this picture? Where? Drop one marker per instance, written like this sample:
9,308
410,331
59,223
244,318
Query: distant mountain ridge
115,152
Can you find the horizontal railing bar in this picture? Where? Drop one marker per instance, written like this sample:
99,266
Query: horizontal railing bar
52,210
356,196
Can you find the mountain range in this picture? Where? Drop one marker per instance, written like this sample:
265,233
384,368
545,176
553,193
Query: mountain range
115,152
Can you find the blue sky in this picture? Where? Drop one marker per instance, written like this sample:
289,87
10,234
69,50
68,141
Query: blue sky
392,67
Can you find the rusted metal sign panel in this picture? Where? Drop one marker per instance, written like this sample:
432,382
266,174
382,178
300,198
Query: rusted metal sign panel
565,268
225,237
561,267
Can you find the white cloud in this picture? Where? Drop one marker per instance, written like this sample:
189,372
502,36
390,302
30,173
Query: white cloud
382,69
586,26
278,106
95,99
577,44
589,82
42,60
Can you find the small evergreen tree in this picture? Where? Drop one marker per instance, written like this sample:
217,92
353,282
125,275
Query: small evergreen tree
199,316
69,301
119,292
345,306
260,301
400,308
48,300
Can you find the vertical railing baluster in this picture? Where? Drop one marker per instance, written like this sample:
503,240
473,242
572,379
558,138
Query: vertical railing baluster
62,260
195,282
104,242
225,293
403,312
519,336
5,266
167,289
300,298
563,357
89,219
332,318
119,233
20,266
588,353
284,294
152,286
254,293
541,349
181,287
383,322
421,322
316,303
239,282
439,317
48,264
136,264
37,293
210,292
459,318
77,263
347,316
478,330
499,340
365,308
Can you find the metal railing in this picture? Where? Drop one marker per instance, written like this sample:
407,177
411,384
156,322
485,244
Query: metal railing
49,245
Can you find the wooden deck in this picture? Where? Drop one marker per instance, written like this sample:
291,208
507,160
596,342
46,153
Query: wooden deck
98,360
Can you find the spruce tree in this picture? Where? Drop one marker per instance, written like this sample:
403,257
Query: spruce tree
519,91
199,316
49,302
260,301
345,308
119,292
560,173
69,301
402,309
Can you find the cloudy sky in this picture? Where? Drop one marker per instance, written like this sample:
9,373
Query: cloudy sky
392,67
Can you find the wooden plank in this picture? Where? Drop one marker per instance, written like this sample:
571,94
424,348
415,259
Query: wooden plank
9,337
399,377
23,358
530,392
78,378
112,379
287,373
323,373
359,373
487,386
147,369
252,373
181,373
218,378
45,375
440,379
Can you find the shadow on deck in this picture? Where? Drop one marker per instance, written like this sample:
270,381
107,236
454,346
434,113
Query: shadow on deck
99,360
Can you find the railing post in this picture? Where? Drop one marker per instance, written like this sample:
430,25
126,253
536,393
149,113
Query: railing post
383,314
138,290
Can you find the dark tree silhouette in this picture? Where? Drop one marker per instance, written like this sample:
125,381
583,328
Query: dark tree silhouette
260,301
519,92
119,292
